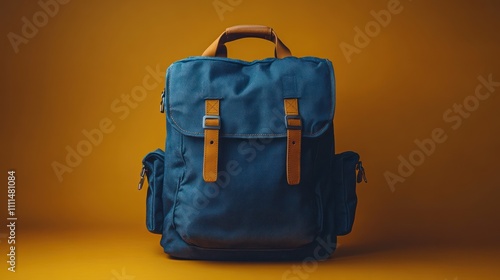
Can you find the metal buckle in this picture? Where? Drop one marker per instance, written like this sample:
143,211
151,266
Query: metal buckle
211,117
141,181
293,117
162,102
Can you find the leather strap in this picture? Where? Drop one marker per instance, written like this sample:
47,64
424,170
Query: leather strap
294,136
211,124
217,48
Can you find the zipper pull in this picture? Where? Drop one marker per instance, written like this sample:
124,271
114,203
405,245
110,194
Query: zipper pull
361,173
141,181
162,102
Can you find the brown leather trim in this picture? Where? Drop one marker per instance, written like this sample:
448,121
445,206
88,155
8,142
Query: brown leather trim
217,48
211,141
294,137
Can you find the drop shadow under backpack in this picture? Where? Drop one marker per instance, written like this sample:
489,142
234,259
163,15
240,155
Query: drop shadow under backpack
249,169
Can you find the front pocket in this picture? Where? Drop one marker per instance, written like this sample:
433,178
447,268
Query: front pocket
251,206
344,186
154,167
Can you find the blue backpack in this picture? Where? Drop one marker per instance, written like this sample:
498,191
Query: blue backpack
249,170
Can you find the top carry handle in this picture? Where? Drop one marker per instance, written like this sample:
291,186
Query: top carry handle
218,48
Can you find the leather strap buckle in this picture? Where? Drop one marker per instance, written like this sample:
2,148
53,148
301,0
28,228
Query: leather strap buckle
211,125
207,120
143,174
162,102
293,122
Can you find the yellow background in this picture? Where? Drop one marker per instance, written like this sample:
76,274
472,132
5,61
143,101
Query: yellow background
442,222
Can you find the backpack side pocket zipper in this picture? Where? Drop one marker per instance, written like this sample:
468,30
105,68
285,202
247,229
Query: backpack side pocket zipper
348,170
152,168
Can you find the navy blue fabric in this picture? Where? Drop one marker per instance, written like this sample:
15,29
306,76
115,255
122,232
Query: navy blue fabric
154,164
250,212
345,191
251,94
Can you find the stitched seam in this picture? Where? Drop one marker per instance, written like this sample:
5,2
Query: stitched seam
288,155
240,62
205,155
292,170
319,132
216,143
297,167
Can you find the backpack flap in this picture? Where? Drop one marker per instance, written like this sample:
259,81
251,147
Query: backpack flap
251,95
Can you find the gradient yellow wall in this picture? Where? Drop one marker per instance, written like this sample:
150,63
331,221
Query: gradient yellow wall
393,88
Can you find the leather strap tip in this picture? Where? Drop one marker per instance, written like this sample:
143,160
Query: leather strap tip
294,181
209,178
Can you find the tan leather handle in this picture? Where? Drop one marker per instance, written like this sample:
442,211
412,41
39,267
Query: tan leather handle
218,48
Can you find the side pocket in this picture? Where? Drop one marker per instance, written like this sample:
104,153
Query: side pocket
153,166
344,183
